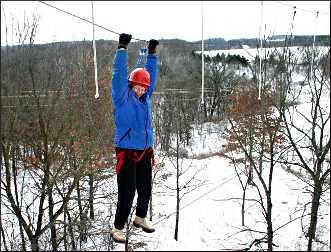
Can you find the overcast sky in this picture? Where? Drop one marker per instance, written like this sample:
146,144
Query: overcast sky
166,19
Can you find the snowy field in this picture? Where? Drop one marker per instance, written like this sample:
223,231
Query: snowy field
250,53
210,216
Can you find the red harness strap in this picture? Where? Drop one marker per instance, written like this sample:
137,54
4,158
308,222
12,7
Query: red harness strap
120,160
134,156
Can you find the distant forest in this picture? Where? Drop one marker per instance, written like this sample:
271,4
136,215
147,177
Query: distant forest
179,66
222,44
274,41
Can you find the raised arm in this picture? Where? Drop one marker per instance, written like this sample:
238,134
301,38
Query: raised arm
120,68
151,64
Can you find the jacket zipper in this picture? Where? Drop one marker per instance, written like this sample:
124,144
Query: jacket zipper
126,133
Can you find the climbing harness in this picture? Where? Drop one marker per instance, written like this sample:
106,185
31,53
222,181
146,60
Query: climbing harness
135,156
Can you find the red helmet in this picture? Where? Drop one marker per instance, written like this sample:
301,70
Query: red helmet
140,76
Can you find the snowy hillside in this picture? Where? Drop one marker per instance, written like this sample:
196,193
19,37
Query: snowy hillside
250,53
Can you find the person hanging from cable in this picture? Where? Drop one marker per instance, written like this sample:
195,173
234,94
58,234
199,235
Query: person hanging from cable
134,135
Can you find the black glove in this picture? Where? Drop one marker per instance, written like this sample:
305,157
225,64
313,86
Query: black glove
124,40
152,46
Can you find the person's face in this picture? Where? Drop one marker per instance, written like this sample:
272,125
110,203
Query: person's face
139,90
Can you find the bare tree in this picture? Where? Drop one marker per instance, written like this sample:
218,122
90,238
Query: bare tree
255,132
45,136
307,131
179,137
297,130
27,139
221,80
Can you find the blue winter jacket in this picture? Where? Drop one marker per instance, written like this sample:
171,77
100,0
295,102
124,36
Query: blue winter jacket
133,116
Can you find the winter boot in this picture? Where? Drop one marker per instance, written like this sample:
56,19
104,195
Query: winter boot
118,235
142,222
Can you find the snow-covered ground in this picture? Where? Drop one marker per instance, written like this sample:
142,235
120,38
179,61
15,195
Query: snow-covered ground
210,216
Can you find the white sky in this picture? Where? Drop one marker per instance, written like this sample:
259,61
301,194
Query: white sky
167,19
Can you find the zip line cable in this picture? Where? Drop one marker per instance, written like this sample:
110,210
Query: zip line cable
87,20
312,54
287,50
202,59
201,196
260,52
202,42
95,58
52,6
292,24
325,13
291,30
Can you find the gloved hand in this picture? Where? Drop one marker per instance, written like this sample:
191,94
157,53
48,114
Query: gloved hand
153,43
124,40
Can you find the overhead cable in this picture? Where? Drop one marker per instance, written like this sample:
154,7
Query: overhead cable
86,20
288,5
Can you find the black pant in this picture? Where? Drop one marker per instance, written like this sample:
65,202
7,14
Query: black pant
133,176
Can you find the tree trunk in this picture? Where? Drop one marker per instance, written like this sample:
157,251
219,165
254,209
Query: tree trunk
71,232
314,213
177,187
65,240
250,169
51,219
91,195
151,208
82,236
34,243
3,237
14,171
270,232
243,205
